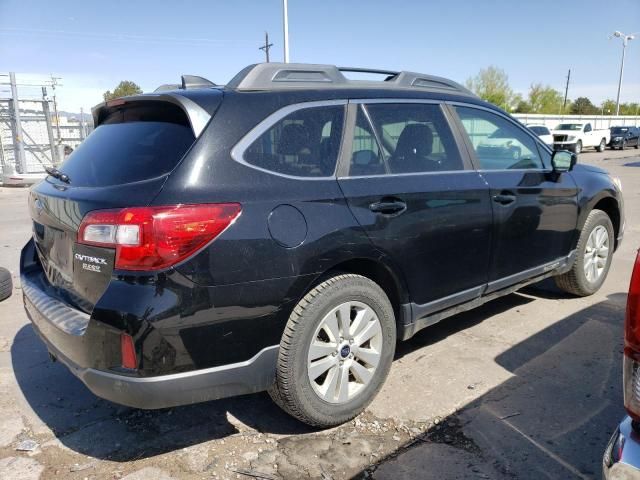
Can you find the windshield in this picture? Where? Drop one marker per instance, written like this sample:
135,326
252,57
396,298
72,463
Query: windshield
569,126
539,130
619,130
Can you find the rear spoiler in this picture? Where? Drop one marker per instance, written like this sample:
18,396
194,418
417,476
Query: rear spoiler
198,110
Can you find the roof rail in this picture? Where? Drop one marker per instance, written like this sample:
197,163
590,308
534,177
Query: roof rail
368,70
270,76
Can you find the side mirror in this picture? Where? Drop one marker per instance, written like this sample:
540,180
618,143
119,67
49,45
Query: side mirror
563,161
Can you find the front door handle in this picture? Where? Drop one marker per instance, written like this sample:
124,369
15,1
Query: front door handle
504,198
388,207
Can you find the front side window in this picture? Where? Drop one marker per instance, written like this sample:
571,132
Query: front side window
499,144
415,138
303,144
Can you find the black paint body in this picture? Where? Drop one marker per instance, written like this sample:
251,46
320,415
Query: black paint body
233,298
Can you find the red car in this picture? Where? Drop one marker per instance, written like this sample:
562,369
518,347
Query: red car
622,456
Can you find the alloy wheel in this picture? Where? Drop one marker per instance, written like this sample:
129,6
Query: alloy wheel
344,352
596,254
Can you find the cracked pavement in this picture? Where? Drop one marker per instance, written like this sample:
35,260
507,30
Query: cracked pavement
527,386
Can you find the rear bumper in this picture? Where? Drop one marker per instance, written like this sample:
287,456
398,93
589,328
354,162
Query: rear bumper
621,459
162,391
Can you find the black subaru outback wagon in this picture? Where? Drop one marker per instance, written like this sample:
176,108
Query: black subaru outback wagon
281,233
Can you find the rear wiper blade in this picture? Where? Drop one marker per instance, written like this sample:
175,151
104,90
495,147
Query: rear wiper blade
55,173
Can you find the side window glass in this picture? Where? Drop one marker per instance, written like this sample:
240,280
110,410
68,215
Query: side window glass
415,138
366,158
499,144
587,128
305,143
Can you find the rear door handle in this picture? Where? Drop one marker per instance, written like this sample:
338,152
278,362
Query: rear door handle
388,207
504,198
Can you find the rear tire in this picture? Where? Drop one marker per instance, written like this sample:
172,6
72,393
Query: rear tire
316,339
624,145
6,284
591,266
602,146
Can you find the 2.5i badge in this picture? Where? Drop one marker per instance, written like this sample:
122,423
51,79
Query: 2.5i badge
89,262
92,269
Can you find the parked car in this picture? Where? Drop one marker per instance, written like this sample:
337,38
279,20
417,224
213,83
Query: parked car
622,455
543,133
281,232
578,136
623,137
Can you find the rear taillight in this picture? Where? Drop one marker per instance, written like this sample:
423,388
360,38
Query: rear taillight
152,238
128,351
632,346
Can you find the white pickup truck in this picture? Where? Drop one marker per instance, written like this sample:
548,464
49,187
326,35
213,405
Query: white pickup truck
577,136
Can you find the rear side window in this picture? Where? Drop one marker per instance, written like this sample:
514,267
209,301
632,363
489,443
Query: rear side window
415,138
121,151
305,143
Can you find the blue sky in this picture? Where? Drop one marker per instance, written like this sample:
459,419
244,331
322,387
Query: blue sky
94,45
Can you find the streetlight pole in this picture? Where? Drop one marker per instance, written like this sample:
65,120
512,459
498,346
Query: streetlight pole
625,40
285,21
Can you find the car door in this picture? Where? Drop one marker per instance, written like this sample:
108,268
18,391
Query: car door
418,198
535,211
588,137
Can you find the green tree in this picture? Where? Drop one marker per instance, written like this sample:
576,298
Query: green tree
608,107
523,107
583,106
544,99
632,108
492,84
124,88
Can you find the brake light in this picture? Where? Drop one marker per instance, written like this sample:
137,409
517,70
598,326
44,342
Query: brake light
632,345
128,351
152,238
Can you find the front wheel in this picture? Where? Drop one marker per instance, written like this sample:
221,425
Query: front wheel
336,351
578,147
593,257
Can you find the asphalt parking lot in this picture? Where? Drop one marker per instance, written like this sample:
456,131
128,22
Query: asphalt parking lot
527,386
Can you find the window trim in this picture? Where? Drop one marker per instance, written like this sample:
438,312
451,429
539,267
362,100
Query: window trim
472,152
239,149
349,131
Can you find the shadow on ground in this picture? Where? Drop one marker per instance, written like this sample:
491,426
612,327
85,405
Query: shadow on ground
552,419
98,428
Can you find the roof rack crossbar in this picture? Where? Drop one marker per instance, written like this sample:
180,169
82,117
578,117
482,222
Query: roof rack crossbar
269,76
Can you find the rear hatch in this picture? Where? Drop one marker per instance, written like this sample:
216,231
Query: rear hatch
138,142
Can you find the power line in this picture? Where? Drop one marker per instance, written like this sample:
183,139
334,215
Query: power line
266,45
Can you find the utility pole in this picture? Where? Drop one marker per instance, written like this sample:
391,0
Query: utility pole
54,84
47,118
20,159
83,126
566,91
285,21
266,45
